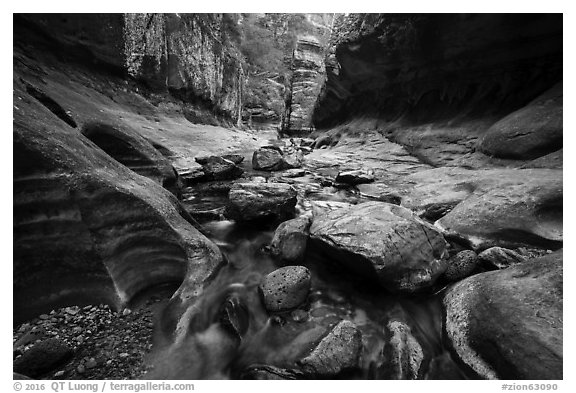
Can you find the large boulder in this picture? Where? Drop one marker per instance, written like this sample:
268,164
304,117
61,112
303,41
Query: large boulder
339,351
290,239
285,288
253,201
268,158
507,324
530,132
382,242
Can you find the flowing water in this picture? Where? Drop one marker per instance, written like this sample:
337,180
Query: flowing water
211,351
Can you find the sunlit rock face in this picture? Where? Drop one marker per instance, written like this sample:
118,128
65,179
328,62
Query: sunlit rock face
307,77
423,68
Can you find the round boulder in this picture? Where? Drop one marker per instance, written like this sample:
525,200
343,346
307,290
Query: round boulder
285,288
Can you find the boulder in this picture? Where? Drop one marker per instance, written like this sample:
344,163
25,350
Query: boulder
219,168
530,132
285,288
268,158
42,357
261,201
382,242
507,324
337,352
354,177
461,265
290,239
507,208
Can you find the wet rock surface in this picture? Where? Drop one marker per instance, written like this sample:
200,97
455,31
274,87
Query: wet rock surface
498,322
337,352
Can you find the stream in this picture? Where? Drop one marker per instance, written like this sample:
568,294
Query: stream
280,340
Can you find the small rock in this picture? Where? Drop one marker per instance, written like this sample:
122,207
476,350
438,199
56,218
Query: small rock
126,311
80,369
262,372
354,177
59,373
461,265
500,258
285,288
338,351
403,355
294,173
91,363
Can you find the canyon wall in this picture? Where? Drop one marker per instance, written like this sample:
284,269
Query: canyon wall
306,81
195,57
421,68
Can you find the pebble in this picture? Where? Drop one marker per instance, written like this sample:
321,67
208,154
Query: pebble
81,369
91,363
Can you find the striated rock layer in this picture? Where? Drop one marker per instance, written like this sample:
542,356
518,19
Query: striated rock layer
88,229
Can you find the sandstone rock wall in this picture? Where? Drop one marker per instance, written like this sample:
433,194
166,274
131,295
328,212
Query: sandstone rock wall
193,56
421,68
307,77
